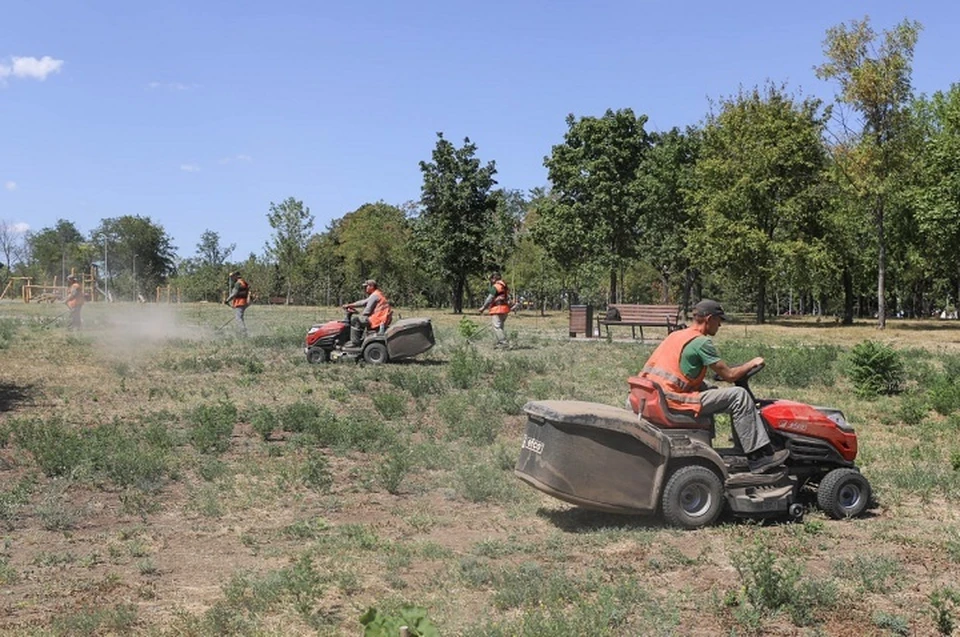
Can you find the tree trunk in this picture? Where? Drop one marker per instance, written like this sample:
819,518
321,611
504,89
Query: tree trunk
762,301
458,295
613,285
881,269
665,292
848,299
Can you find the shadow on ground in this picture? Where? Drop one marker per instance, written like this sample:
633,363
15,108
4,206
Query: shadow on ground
11,396
577,520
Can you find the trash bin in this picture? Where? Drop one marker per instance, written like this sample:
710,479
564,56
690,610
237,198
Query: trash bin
581,320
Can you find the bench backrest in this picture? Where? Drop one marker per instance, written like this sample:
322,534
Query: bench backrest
654,314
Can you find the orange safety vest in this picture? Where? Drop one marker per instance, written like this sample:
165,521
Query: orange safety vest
663,367
75,298
501,300
241,300
382,312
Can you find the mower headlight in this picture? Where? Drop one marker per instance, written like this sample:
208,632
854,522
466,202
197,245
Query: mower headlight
837,417
315,328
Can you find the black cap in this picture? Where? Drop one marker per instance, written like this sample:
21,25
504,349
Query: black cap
707,308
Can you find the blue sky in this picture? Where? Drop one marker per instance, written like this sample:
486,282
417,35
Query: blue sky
199,114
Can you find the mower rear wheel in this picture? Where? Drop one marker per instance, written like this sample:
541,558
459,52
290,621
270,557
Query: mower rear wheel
843,493
317,355
375,353
692,498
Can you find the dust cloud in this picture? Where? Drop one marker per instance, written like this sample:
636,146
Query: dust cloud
127,330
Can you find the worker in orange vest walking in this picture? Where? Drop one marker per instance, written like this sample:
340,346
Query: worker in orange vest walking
376,312
239,298
74,301
498,302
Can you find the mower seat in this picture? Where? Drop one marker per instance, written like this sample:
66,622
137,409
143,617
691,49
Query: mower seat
647,399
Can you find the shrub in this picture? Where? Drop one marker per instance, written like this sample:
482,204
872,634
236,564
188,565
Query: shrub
419,382
944,601
944,394
482,483
316,472
466,366
263,421
394,468
212,427
876,369
298,417
389,405
913,409
8,328
56,448
377,624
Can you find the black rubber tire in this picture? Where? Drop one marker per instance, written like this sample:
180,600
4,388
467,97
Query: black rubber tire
318,355
375,353
692,498
843,493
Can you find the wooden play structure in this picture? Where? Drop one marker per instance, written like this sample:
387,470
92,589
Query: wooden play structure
57,291
168,294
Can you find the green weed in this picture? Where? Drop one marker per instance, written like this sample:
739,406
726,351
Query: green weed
466,366
895,624
212,426
876,574
875,369
389,405
264,421
944,602
482,483
316,472
97,621
394,468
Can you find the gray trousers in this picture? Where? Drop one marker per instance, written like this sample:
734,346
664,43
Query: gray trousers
746,421
498,320
238,315
358,325
76,323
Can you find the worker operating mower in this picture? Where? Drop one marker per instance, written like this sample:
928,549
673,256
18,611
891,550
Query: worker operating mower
397,341
651,458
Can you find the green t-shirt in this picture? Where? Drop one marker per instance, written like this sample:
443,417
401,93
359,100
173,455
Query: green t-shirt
697,354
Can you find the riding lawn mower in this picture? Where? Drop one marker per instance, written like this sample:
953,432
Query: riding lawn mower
651,458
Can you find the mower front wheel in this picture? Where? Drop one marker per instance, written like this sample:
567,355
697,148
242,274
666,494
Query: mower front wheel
843,493
692,498
318,355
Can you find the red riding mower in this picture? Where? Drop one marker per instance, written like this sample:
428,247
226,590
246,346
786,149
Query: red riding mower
402,339
609,459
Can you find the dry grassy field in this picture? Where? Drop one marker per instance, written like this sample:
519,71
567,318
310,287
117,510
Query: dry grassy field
161,476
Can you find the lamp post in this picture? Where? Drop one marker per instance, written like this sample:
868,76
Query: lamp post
134,278
106,271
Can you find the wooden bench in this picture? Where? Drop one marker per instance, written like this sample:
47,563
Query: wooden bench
643,316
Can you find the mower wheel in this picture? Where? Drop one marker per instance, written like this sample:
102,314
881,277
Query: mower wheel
843,493
318,355
693,497
375,353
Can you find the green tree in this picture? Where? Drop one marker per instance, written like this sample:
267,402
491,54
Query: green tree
292,226
56,251
761,159
667,216
140,254
875,80
936,195
203,277
592,214
453,228
373,242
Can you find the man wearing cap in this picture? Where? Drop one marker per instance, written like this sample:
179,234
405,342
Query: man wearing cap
376,312
498,301
679,365
239,298
74,301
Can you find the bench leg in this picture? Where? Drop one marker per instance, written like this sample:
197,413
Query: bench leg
633,330
641,333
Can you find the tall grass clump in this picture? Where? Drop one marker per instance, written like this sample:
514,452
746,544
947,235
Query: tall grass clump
8,328
298,417
875,369
466,366
56,448
944,394
771,585
417,382
212,426
389,405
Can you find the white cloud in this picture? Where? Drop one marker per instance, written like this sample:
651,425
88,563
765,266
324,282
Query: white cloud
190,168
171,86
236,158
20,227
10,185
30,67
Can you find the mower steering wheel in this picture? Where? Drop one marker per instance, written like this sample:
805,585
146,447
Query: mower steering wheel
753,371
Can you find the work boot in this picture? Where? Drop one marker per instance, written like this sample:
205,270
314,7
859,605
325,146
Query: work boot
766,460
